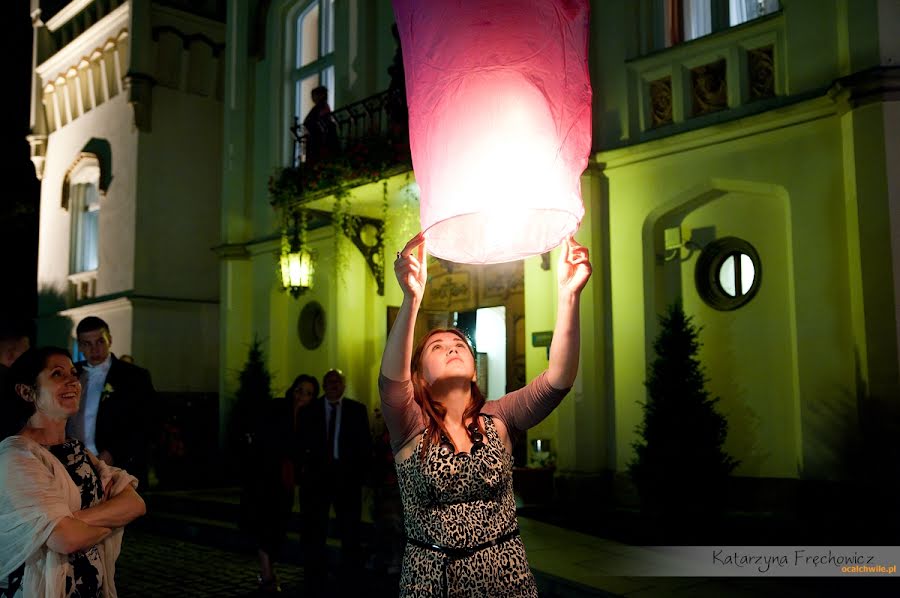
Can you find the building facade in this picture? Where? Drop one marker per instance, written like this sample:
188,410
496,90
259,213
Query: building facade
745,163
126,139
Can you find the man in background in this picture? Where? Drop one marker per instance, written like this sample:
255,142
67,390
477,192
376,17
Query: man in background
337,452
116,402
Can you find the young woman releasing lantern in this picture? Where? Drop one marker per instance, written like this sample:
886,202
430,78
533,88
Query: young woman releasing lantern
453,450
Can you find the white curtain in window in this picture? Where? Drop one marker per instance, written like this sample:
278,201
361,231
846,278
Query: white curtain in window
697,18
76,205
90,229
741,11
85,205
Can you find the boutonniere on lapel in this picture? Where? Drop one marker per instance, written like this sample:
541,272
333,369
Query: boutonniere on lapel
107,392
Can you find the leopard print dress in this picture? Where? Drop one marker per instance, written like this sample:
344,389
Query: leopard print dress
462,500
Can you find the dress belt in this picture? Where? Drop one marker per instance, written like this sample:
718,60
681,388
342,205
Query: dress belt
455,554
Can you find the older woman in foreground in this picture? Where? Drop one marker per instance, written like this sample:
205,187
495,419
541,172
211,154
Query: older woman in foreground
62,510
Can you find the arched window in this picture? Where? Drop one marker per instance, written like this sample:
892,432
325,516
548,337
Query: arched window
310,55
84,207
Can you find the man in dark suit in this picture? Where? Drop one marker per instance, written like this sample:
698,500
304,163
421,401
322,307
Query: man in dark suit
116,402
337,451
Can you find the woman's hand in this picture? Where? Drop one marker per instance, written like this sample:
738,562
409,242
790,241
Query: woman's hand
574,267
412,276
411,269
574,272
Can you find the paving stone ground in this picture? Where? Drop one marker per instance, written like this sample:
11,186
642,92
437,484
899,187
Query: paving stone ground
152,565
158,566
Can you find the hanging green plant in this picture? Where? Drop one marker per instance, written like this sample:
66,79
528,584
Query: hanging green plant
362,161
339,217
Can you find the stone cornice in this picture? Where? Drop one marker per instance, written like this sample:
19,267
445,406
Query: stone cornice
784,116
107,28
878,84
67,13
232,251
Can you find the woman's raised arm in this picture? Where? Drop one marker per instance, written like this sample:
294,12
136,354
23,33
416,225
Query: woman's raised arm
410,269
574,270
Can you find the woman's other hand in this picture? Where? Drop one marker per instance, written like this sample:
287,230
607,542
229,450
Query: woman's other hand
411,270
574,266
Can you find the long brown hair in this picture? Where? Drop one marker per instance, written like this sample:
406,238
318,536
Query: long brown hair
433,410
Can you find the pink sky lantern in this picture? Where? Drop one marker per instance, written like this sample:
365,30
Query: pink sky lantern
499,122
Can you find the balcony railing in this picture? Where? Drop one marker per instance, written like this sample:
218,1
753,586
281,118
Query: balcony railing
360,142
383,115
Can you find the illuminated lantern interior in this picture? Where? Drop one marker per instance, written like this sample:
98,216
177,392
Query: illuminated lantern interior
500,122
297,271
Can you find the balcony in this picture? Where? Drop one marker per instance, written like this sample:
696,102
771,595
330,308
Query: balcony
360,143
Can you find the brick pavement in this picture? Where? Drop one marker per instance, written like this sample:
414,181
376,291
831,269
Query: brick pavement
159,566
152,565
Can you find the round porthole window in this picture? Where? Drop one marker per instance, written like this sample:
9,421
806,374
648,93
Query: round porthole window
311,325
728,273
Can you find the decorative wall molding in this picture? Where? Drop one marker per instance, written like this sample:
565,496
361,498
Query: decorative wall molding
761,73
717,73
878,84
709,88
661,101
140,98
38,147
85,84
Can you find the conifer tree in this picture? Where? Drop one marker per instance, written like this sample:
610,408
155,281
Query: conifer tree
251,397
680,466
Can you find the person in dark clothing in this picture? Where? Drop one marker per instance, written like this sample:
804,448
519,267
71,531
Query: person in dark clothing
270,498
112,418
15,339
337,451
321,129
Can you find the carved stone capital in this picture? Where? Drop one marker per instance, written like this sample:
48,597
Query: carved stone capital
38,145
139,87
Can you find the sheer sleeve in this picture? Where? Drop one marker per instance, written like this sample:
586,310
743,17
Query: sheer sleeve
119,477
528,406
402,416
32,502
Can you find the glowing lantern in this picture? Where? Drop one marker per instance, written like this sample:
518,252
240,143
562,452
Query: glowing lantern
297,272
296,263
499,122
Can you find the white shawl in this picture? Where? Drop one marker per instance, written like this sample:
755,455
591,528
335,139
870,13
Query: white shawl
35,494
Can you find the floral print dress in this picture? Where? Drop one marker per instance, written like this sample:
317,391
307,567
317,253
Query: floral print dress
84,573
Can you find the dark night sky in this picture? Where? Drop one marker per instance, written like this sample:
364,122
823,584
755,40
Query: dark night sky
19,202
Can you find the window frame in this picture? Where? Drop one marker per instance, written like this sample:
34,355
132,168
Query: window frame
293,74
709,264
653,14
86,172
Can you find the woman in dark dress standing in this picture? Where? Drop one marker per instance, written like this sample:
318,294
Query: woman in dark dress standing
272,497
61,509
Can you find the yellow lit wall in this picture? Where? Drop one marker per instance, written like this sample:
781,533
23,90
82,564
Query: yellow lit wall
783,364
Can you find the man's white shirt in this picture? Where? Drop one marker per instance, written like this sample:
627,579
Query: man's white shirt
92,382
